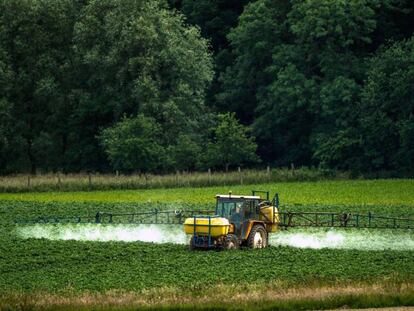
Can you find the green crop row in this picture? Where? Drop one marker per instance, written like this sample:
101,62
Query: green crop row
56,266
350,192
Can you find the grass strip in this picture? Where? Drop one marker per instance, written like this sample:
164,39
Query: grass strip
240,297
88,182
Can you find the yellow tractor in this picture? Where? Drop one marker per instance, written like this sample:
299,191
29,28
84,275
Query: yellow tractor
239,220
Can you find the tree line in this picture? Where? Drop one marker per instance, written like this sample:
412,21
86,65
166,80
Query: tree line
155,86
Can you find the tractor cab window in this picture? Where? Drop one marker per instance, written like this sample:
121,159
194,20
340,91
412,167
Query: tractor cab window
228,208
238,207
245,208
250,208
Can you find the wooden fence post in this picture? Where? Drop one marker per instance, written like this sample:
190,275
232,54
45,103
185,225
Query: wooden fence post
28,181
209,176
90,180
240,176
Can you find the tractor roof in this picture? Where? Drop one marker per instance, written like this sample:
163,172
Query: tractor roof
231,196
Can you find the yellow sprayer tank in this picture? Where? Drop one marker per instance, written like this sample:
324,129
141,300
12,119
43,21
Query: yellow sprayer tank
271,220
218,226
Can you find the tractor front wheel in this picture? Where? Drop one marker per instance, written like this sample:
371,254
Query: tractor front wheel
231,242
257,237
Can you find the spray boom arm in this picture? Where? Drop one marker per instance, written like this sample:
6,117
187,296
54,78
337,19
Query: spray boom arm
344,220
286,219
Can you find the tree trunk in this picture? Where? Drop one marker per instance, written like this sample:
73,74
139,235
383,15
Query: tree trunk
227,167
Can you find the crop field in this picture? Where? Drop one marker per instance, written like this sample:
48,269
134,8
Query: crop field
123,266
352,192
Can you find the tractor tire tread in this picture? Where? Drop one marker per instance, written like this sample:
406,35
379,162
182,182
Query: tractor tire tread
253,231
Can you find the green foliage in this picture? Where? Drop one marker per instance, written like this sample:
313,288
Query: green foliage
140,58
72,68
377,133
259,31
343,150
387,109
186,153
215,19
296,74
231,145
333,26
299,72
134,144
5,131
313,79
34,55
285,119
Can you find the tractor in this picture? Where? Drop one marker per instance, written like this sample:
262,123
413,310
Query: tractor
239,220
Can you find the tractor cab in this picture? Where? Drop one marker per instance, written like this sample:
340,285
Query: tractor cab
242,210
237,209
230,207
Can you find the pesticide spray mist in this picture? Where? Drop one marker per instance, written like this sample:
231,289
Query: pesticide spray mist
299,238
362,239
104,233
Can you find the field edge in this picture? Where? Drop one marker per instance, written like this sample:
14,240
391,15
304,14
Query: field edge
236,297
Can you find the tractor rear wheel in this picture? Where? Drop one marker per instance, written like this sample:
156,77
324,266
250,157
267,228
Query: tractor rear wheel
258,237
231,242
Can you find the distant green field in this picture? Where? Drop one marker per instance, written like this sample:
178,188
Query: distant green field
349,192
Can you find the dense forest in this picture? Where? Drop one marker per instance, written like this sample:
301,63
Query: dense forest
158,86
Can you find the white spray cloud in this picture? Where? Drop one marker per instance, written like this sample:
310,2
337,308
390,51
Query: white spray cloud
300,238
104,233
345,239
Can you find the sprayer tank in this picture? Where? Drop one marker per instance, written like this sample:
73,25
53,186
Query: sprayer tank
217,226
